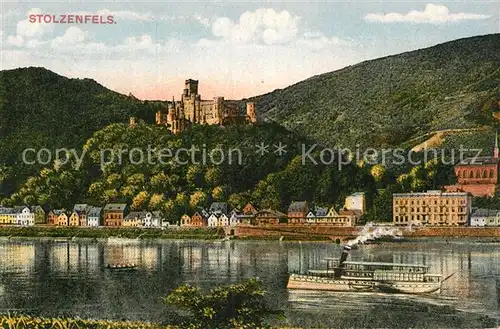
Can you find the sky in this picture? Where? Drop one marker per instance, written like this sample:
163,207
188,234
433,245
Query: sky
236,49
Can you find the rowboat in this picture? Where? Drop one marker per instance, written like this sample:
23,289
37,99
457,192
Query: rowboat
121,267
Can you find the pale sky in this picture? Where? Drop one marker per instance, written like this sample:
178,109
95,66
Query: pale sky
236,49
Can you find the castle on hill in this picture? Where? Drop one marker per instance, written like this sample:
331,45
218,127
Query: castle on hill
191,109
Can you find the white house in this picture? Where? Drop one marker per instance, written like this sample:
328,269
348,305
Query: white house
485,217
212,220
156,218
235,219
478,217
94,216
147,219
310,218
356,202
24,216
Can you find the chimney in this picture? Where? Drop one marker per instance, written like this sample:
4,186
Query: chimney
338,270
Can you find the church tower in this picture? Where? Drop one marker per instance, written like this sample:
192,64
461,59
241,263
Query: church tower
495,150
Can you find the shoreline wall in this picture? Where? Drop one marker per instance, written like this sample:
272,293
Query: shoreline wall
344,233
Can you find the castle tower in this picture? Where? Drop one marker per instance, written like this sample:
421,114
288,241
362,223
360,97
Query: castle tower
495,150
191,88
160,118
251,115
132,122
218,110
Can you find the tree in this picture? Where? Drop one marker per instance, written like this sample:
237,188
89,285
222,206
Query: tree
197,199
213,176
113,180
235,306
194,176
160,183
378,172
218,193
238,200
140,200
156,201
136,180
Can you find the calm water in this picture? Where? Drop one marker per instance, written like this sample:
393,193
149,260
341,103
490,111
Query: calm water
53,279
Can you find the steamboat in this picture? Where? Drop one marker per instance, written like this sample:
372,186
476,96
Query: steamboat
343,275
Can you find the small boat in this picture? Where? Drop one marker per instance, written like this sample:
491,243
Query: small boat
343,275
60,240
122,267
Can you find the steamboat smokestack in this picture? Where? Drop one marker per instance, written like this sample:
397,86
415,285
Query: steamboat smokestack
338,271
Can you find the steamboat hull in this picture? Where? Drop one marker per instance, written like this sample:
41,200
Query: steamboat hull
308,282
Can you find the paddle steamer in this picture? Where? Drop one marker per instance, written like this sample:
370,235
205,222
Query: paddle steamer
343,275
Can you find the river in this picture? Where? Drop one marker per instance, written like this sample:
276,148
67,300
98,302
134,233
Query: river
67,279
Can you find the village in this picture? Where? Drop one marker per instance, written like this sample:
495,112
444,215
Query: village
218,214
450,207
431,209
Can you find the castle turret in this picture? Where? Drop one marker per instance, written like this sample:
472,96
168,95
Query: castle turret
191,87
251,115
160,118
495,150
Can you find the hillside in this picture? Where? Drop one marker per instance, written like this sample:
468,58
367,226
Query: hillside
39,108
389,100
178,186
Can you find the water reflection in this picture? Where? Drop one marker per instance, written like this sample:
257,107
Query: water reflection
69,278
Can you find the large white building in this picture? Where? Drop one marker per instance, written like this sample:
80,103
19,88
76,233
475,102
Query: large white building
433,208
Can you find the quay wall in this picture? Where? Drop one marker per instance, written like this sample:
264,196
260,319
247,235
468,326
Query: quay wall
346,233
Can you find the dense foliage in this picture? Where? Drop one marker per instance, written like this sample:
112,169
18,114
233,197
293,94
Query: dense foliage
453,85
268,181
388,100
39,108
32,322
235,306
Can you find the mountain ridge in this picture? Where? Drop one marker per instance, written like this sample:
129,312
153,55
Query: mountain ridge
475,61
382,102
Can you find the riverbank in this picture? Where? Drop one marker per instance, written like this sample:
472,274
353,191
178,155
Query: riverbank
285,232
111,232
301,232
32,322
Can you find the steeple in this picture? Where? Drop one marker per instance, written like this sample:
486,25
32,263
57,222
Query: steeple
495,150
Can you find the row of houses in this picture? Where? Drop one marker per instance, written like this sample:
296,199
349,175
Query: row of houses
485,217
298,213
113,214
437,208
218,214
21,216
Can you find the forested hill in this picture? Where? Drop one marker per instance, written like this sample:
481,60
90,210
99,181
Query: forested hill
39,108
389,100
